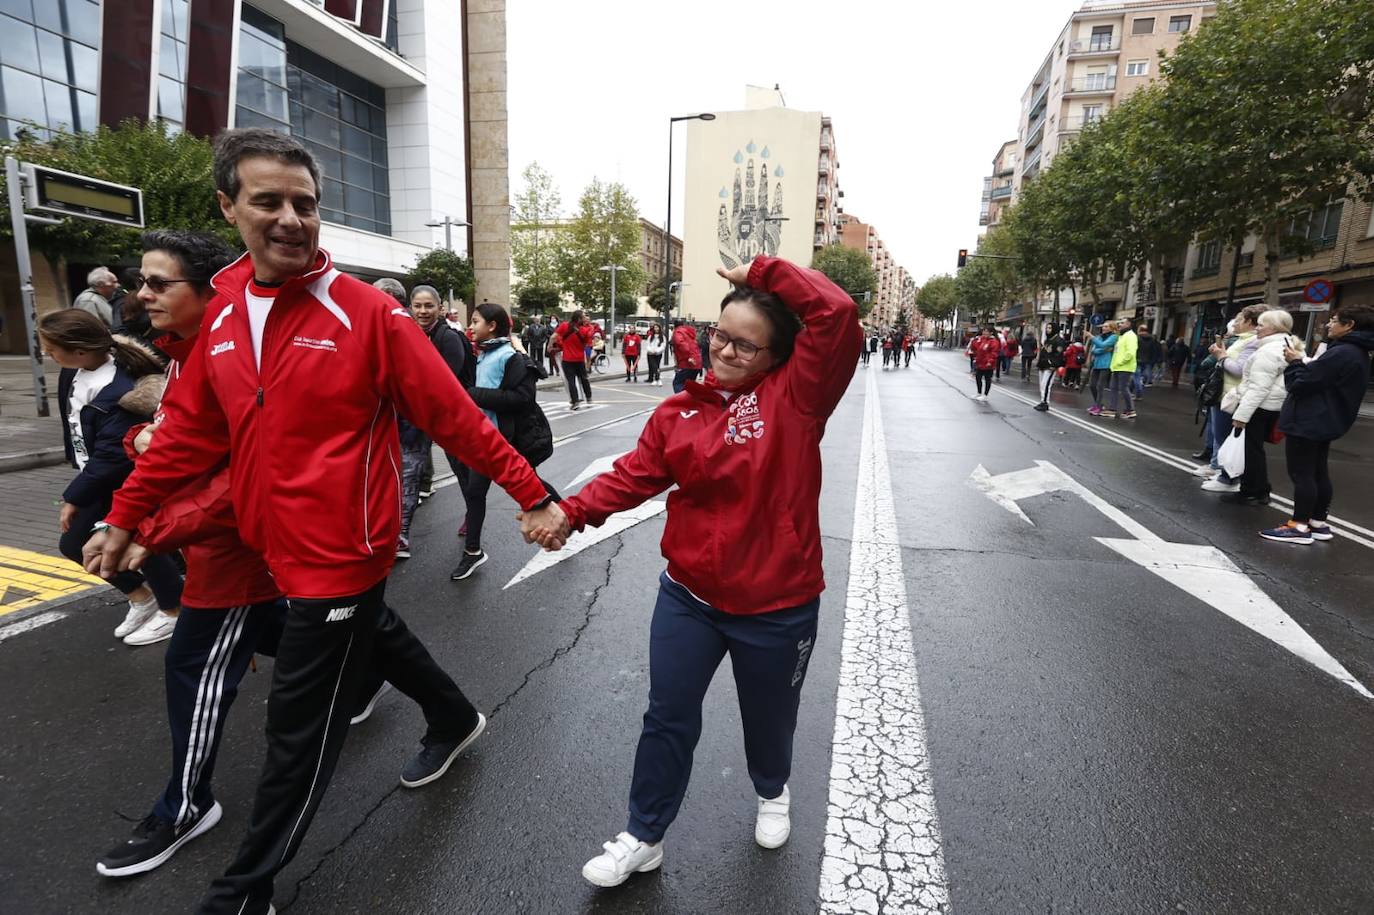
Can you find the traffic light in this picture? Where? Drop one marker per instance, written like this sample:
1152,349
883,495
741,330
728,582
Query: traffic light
963,256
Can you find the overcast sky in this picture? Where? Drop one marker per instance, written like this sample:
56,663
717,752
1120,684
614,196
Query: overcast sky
921,95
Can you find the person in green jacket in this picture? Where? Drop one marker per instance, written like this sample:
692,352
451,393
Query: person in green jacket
1123,369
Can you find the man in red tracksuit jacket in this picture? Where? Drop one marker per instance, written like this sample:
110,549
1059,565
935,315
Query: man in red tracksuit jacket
296,377
687,354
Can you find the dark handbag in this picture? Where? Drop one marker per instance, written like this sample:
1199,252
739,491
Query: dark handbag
1210,393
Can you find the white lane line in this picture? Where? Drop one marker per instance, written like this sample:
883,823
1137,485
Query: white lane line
28,625
883,851
1339,526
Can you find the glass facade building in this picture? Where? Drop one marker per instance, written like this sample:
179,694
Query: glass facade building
49,65
340,116
171,66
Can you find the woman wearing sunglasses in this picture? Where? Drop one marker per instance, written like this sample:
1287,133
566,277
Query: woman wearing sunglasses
742,541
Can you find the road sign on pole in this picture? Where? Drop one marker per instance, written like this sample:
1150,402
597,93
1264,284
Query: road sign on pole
1317,294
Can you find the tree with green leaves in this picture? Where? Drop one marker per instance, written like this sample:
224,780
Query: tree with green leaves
851,270
987,284
938,298
658,292
1272,104
538,300
448,272
173,170
536,235
604,231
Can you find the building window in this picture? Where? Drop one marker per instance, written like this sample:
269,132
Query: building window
50,66
1321,227
1143,26
1101,38
1180,23
1208,259
171,63
393,25
338,115
1091,114
1137,68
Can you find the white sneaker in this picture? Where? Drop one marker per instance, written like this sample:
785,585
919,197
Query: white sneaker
624,855
139,613
1206,471
158,628
1218,486
774,824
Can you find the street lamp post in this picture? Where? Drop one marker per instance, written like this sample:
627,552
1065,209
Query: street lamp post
668,222
612,269
448,223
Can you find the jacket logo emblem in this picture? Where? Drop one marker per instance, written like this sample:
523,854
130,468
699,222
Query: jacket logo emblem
688,414
224,347
313,343
400,311
339,614
744,422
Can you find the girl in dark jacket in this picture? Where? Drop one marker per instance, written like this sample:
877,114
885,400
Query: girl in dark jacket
505,391
107,385
1323,402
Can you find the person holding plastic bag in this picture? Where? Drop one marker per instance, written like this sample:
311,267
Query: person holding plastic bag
1258,399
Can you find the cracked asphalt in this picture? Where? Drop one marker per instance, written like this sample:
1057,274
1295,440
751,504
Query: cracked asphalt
1098,740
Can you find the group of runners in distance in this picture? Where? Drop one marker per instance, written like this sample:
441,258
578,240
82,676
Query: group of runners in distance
289,518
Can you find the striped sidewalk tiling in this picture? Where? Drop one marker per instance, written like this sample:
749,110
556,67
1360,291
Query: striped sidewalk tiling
28,579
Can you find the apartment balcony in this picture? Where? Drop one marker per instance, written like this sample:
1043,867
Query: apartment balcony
1094,46
1037,104
1093,84
823,190
1035,131
826,139
824,165
1078,122
1031,168
1004,192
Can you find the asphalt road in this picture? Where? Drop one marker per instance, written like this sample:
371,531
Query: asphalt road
1100,738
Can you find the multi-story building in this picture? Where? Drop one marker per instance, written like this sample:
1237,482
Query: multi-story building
752,176
652,247
998,187
896,292
1342,234
378,89
1105,52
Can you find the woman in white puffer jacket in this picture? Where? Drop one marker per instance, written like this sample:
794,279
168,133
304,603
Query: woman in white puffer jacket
1261,392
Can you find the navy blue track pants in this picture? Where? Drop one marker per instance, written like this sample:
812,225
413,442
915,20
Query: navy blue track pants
769,653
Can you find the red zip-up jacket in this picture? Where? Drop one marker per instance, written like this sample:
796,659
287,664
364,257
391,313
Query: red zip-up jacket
686,353
985,352
743,530
314,455
199,521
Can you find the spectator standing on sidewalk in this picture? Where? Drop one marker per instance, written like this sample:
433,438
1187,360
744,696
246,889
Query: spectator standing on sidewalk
1178,358
1323,402
653,350
1074,355
687,355
106,387
1100,364
101,284
1123,365
629,351
1145,356
1029,349
1049,361
1231,353
1261,394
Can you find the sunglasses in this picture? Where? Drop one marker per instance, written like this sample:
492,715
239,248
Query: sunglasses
156,283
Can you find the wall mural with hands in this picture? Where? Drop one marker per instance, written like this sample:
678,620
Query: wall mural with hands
749,221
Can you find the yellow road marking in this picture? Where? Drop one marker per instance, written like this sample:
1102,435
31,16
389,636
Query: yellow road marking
28,578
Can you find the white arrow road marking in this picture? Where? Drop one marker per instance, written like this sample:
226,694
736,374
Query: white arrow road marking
581,540
30,624
883,851
616,524
1203,571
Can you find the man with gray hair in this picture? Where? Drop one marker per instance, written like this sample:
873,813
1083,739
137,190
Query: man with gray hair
393,288
101,284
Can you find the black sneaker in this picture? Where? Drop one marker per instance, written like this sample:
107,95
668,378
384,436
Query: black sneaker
153,843
365,712
1042,407
433,760
468,565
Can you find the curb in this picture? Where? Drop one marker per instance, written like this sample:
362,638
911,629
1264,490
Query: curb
28,460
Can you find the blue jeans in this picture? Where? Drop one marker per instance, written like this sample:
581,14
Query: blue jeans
1220,424
688,639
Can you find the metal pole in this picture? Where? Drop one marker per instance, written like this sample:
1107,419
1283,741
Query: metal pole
27,296
610,342
668,260
448,232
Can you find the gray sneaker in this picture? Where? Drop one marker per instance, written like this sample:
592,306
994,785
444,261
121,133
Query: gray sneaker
434,759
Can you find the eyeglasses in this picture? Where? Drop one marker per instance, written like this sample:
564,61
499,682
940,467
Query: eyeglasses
155,283
745,350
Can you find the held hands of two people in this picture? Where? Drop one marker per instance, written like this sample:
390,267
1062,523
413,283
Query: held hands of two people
546,526
112,550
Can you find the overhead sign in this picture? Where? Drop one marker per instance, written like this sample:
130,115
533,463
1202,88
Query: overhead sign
1151,311
1318,292
1098,319
49,190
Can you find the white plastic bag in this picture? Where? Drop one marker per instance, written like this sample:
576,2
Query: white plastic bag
1231,457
